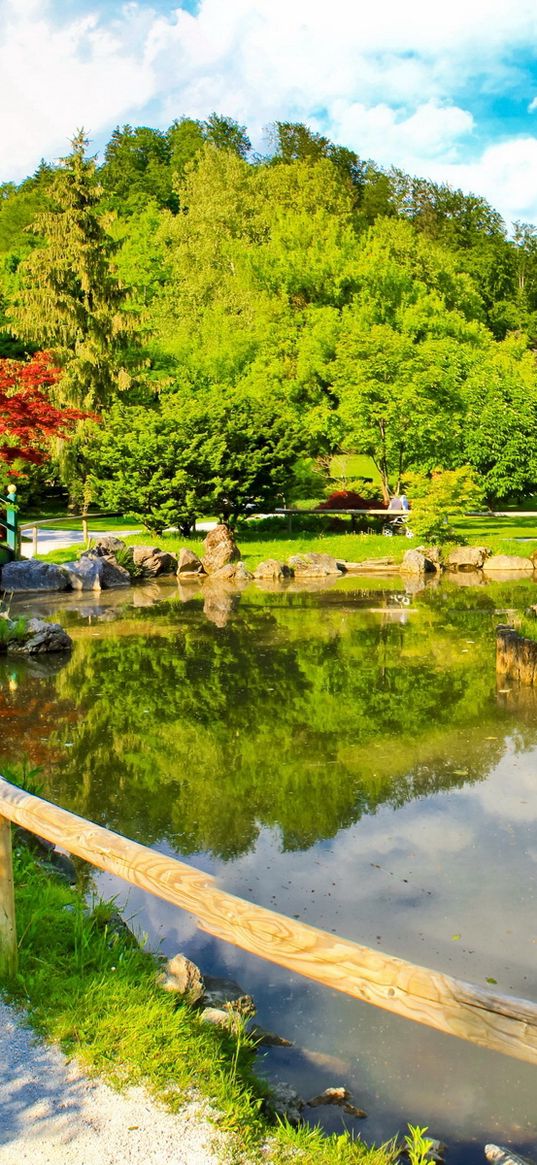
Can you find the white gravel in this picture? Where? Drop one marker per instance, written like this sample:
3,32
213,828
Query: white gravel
51,1114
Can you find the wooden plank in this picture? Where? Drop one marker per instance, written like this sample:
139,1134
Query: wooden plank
501,1023
8,930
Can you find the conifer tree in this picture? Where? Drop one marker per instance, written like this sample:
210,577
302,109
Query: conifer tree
69,300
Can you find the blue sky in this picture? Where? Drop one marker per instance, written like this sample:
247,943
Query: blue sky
448,92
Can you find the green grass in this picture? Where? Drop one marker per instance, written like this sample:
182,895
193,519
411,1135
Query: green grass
94,991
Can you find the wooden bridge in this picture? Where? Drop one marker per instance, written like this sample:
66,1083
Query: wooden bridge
500,1022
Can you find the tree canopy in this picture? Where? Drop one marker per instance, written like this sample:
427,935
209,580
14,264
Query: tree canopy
185,277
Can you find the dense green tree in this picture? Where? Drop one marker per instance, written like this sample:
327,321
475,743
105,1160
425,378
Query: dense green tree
137,167
295,142
67,297
500,431
207,452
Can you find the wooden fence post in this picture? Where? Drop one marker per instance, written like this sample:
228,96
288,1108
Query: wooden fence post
8,930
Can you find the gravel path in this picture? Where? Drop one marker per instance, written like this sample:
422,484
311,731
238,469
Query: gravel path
51,1113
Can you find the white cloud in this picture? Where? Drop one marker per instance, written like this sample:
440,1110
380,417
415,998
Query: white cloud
506,174
385,79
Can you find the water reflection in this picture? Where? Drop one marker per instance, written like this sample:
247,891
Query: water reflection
339,755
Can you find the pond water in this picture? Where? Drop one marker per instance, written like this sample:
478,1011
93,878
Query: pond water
342,755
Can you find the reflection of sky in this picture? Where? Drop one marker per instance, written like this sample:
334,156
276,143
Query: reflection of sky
446,881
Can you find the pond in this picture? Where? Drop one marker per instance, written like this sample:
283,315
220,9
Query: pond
342,755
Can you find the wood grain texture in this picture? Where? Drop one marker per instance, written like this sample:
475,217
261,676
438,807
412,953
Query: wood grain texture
8,930
501,1023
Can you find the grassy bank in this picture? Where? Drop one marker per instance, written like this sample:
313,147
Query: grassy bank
91,988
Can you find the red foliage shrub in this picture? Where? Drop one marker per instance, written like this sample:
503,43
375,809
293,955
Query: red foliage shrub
28,419
347,499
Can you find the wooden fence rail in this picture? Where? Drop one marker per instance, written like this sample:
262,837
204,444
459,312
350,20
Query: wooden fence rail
501,1023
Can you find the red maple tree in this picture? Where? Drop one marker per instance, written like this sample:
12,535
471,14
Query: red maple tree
28,419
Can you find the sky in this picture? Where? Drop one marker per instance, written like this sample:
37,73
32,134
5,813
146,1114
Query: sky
445,91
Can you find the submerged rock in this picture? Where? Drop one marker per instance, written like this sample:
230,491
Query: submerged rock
340,1096
504,1156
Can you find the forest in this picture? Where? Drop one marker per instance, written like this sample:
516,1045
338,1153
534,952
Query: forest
211,326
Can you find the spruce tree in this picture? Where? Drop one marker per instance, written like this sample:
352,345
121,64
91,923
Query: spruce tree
69,299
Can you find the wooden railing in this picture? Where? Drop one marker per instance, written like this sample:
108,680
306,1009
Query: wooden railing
10,525
44,523
499,1022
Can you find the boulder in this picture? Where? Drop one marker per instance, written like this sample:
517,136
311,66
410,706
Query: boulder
41,637
508,562
107,545
220,548
415,562
85,574
272,569
467,557
233,572
182,977
153,561
314,566
188,564
114,575
32,575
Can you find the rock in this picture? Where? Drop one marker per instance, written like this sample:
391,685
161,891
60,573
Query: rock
285,1102
503,1156
32,575
508,562
272,569
85,574
182,977
339,1096
314,565
216,1016
220,548
153,561
467,557
62,865
417,563
268,1039
108,545
114,926
188,563
233,572
368,565
114,575
227,995
41,637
